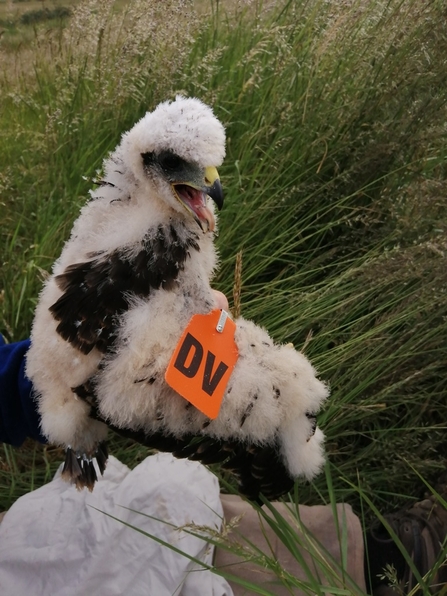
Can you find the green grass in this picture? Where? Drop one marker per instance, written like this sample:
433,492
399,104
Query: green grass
335,181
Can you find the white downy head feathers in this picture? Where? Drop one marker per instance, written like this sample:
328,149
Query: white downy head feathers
185,126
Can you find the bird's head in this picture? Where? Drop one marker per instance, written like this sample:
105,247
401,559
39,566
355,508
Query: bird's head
175,150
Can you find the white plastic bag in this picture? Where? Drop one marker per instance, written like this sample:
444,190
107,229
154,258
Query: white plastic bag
58,541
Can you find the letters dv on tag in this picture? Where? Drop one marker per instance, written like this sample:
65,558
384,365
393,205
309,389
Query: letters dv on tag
203,360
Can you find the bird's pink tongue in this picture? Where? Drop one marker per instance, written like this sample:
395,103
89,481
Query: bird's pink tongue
196,200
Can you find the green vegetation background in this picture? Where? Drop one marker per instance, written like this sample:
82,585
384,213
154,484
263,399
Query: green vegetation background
335,181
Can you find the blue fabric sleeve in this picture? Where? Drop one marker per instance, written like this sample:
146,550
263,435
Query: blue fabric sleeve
19,418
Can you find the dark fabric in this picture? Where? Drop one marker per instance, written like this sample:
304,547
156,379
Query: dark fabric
422,529
19,418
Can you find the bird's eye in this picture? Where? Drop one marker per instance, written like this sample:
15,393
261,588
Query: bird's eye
148,159
170,161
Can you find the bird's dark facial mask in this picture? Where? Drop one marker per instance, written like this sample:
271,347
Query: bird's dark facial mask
191,185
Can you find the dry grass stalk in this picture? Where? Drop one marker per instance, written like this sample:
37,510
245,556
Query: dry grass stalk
237,285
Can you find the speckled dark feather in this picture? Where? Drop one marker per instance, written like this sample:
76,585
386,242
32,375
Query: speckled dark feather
96,291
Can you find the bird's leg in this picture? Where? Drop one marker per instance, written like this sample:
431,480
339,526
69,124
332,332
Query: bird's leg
79,467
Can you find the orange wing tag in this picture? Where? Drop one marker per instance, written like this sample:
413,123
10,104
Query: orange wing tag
203,361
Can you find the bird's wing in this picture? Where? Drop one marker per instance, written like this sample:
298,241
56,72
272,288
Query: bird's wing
95,291
257,469
265,434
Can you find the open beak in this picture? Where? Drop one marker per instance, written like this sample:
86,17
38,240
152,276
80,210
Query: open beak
194,198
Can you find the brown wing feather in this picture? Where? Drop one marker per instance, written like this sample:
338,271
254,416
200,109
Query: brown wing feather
95,291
